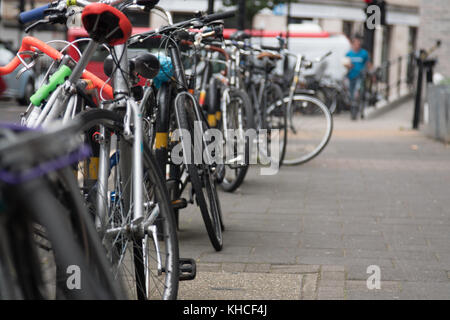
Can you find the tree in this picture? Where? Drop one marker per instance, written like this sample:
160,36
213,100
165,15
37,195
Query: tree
253,7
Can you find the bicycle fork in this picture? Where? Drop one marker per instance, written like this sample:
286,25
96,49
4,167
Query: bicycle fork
297,70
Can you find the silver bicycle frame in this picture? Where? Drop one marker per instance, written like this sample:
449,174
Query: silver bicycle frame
132,115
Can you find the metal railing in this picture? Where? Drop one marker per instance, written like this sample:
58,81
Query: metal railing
385,84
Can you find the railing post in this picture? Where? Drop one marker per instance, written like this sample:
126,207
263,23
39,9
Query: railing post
399,76
418,101
387,76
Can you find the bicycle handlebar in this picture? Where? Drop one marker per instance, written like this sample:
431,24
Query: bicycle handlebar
218,16
195,22
33,44
30,44
34,14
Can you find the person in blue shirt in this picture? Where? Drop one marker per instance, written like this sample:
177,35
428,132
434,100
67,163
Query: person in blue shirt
360,60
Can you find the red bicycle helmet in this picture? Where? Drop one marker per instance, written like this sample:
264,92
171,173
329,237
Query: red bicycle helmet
106,24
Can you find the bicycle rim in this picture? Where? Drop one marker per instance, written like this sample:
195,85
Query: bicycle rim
143,272
310,126
239,118
203,184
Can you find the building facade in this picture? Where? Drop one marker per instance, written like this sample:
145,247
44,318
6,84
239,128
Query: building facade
435,25
397,38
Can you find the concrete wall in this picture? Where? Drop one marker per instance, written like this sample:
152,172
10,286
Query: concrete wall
434,25
438,125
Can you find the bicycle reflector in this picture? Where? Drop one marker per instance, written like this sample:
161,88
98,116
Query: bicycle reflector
106,24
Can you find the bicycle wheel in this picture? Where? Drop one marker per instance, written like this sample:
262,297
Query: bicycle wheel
145,261
239,118
310,125
276,119
53,238
202,178
144,254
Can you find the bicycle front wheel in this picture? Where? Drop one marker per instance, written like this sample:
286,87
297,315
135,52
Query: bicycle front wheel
143,253
310,126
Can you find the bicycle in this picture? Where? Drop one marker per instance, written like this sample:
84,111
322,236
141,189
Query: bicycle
177,108
310,123
228,108
127,197
270,118
47,236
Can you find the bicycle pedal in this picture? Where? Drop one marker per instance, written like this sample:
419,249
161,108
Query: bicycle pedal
179,204
188,269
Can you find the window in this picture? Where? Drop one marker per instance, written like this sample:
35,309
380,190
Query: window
412,41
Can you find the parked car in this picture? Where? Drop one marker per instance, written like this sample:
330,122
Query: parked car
11,87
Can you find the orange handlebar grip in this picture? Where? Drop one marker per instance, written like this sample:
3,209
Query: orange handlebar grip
31,44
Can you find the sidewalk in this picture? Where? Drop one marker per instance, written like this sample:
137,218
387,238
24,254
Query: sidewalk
378,195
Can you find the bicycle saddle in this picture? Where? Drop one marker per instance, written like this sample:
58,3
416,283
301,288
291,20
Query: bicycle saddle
106,24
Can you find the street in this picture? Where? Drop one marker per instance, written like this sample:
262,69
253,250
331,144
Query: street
377,196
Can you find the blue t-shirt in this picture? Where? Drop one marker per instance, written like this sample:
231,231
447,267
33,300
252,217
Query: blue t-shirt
359,60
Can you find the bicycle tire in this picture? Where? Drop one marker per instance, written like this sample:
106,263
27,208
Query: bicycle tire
309,101
211,214
154,179
276,117
241,172
73,240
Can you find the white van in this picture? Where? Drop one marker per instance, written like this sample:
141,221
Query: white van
312,45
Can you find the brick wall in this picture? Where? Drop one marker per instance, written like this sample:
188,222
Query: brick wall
434,25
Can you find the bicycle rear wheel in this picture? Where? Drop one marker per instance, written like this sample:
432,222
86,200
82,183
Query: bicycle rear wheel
310,126
202,178
276,119
239,118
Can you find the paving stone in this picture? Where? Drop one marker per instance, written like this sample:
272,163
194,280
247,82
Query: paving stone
209,267
332,275
233,267
391,286
294,269
309,290
331,283
312,252
331,268
328,293
257,267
